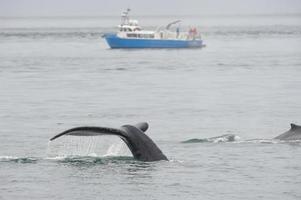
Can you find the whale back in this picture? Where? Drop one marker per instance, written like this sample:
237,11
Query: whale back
293,134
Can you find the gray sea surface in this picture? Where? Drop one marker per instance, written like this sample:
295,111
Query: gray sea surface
57,73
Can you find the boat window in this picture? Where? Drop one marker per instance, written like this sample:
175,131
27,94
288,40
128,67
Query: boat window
145,35
135,35
125,30
131,35
148,36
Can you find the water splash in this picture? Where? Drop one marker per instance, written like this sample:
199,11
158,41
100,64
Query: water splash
218,139
18,159
116,149
98,146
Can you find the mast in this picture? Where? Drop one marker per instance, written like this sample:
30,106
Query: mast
125,17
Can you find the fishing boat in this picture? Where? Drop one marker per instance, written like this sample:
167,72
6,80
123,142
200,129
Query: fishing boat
131,35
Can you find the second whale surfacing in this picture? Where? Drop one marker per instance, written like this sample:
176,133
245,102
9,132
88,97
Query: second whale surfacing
142,147
217,139
293,134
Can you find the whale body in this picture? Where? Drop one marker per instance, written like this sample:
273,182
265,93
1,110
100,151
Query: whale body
293,134
142,147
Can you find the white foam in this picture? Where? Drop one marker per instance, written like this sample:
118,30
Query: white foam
5,158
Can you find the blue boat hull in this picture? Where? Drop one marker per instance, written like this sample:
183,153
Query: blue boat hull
117,42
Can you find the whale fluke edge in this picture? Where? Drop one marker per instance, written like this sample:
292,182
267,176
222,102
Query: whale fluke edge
293,134
142,147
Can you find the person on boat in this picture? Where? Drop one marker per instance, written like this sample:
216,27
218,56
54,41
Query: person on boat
161,34
190,33
194,32
178,31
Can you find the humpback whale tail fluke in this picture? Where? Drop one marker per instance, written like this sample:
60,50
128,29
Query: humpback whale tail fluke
143,126
142,147
294,126
293,134
89,131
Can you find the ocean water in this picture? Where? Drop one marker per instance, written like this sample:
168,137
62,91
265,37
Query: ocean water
57,73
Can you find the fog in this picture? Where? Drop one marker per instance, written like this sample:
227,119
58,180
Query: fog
139,7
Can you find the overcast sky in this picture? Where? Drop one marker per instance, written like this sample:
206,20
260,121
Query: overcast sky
145,7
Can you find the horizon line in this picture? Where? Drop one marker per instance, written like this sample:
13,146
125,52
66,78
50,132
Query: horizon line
156,15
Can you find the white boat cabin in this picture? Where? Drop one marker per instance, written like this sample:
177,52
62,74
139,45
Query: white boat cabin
130,29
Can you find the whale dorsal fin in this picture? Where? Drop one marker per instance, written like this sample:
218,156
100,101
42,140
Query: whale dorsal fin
294,126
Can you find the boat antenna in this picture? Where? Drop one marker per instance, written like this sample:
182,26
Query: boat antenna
125,16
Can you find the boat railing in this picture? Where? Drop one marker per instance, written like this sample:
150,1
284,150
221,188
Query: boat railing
179,36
